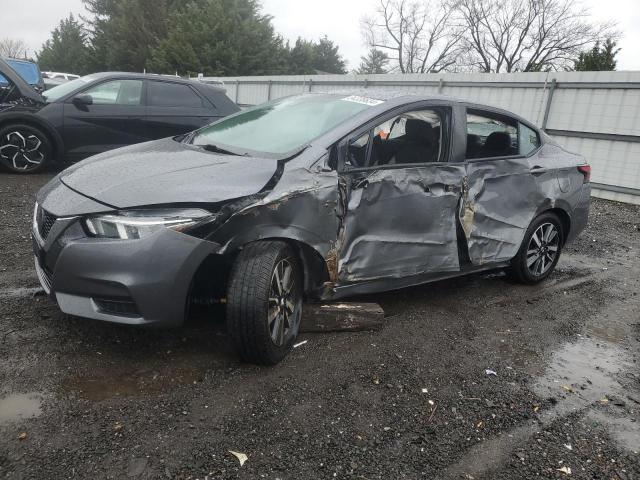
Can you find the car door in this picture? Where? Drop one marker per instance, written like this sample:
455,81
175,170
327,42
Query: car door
175,108
503,188
112,117
400,197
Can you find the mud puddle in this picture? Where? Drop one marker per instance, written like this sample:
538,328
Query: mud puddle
16,407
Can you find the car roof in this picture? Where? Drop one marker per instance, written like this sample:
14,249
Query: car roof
393,98
154,76
19,60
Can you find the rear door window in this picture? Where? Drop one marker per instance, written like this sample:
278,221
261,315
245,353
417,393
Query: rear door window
166,94
490,135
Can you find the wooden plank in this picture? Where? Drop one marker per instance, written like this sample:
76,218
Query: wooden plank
341,317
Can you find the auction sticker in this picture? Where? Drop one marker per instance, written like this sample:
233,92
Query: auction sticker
363,100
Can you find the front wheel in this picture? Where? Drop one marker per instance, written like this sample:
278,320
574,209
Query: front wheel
264,301
24,149
540,250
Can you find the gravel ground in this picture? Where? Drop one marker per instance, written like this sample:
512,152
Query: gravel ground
81,399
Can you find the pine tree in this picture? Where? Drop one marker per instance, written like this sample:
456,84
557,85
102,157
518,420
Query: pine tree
374,62
599,58
67,49
328,60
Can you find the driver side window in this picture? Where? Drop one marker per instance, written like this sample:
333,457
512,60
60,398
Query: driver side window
116,92
413,137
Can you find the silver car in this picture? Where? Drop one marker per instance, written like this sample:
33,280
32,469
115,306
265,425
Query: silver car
311,197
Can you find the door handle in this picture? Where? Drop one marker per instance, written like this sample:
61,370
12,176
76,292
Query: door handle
538,170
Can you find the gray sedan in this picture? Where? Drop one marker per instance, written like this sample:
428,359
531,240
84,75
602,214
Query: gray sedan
318,196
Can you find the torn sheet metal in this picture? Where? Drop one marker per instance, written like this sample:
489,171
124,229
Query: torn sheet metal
400,222
301,206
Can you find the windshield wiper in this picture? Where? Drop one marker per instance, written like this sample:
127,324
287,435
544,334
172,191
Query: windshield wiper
210,147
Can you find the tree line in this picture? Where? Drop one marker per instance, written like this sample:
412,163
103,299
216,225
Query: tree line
234,37
213,37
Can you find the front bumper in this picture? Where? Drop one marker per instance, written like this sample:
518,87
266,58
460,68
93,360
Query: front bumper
134,282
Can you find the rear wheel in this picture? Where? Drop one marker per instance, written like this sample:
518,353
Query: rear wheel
264,302
24,149
540,250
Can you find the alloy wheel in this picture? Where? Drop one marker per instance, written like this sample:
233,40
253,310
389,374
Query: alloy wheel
20,151
542,249
284,304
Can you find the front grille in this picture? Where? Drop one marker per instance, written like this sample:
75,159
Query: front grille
121,308
45,222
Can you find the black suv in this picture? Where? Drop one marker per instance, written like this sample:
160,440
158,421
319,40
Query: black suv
98,112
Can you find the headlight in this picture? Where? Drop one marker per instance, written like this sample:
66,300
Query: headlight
133,224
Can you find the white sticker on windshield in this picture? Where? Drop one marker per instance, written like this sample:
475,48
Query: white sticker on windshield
363,100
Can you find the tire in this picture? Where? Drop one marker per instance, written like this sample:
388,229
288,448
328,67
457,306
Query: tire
534,262
257,306
24,149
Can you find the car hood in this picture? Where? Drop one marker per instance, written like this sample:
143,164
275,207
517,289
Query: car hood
165,172
23,87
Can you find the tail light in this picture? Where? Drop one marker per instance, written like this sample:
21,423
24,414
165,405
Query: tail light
586,171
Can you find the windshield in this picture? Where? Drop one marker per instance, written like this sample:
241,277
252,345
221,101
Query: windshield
27,70
64,89
283,125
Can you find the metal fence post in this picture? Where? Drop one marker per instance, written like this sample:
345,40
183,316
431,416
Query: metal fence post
269,90
440,86
310,83
237,88
547,108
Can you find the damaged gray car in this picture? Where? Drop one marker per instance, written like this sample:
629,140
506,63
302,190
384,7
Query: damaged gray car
311,197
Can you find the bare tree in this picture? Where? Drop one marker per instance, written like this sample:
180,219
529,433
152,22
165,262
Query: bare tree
527,35
419,36
13,48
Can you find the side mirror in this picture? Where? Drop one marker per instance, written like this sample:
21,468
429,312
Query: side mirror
82,100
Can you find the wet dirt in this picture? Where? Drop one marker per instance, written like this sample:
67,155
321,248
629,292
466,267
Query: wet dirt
409,401
17,407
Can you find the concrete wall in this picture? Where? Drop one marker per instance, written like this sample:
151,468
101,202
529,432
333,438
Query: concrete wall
594,113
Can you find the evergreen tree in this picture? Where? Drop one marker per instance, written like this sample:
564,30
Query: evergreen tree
328,59
599,58
308,57
302,58
218,38
67,49
123,32
375,62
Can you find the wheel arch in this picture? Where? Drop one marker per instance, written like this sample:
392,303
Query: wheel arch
314,266
565,220
39,123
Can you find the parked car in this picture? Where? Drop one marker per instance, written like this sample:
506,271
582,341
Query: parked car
53,79
59,75
318,196
99,112
29,71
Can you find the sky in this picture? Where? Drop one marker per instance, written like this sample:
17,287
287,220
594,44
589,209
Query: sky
32,21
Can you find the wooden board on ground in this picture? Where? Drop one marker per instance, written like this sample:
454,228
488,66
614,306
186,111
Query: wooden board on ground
341,317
